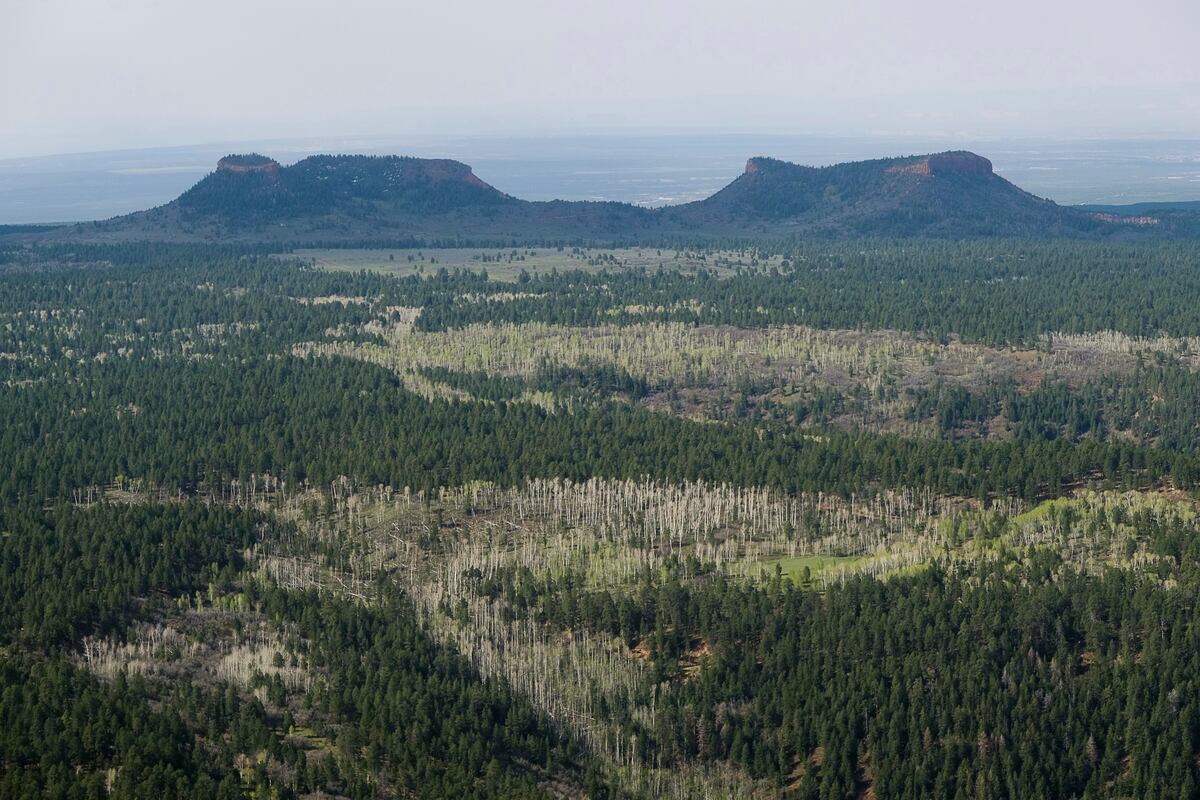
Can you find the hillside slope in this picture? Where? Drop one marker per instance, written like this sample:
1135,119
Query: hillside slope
354,198
376,198
944,194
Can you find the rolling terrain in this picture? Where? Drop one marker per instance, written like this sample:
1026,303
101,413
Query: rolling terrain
587,523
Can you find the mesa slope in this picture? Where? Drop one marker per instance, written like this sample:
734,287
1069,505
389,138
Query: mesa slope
366,199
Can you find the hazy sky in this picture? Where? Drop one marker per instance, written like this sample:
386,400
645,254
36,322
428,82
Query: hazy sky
80,75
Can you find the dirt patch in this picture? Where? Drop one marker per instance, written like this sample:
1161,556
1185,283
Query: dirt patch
693,658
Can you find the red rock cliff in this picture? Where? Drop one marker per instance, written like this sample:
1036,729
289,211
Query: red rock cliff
953,163
243,164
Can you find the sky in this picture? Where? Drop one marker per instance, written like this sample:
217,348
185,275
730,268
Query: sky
88,75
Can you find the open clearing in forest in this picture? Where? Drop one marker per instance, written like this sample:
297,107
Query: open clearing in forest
818,566
874,377
506,264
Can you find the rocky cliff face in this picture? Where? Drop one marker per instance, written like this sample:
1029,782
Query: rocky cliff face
442,169
957,162
248,163
763,164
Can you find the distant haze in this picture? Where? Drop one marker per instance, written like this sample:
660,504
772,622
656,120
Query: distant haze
108,74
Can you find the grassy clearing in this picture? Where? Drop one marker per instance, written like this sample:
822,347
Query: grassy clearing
795,567
1041,512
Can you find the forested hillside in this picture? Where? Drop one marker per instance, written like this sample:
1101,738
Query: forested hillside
881,518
